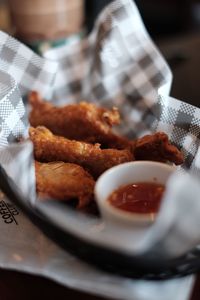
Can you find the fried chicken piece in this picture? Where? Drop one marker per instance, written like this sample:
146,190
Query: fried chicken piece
49,147
117,142
83,121
158,148
64,181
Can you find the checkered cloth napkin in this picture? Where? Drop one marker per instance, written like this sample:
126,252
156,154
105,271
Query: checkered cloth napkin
117,64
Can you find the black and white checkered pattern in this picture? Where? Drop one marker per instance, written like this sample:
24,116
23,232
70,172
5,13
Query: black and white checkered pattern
12,110
116,65
17,159
30,71
181,122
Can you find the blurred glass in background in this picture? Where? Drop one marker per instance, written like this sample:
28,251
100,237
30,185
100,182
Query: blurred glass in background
43,24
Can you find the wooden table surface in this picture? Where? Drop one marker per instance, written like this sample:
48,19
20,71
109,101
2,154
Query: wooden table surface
184,58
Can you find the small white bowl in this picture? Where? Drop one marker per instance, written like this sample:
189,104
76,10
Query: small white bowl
127,173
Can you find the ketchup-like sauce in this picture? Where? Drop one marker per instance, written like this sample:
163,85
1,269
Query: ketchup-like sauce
142,197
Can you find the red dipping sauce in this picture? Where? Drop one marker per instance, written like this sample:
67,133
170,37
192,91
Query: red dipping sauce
142,197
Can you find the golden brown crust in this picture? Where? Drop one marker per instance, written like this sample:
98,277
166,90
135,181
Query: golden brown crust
64,181
48,147
158,148
84,121
76,126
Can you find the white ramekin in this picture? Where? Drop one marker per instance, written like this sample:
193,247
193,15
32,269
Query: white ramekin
127,173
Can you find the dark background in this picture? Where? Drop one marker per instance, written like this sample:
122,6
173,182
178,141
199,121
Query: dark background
161,17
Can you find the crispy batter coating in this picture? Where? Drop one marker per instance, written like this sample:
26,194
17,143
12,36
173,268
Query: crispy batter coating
49,147
158,148
64,181
83,121
115,141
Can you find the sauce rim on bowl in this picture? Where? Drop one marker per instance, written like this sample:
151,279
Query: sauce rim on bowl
138,197
127,173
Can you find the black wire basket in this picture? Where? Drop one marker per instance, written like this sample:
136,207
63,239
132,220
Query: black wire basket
139,267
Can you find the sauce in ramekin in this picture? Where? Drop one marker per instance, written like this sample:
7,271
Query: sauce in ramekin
141,197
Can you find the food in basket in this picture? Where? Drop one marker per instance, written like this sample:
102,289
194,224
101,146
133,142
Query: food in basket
64,181
82,134
84,121
138,197
157,147
49,147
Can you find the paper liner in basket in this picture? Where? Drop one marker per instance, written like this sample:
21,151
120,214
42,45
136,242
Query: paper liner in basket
116,65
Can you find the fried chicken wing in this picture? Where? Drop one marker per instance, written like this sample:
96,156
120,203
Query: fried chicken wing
49,147
83,121
158,148
64,181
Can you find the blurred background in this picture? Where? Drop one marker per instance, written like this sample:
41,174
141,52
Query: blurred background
174,25
161,17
